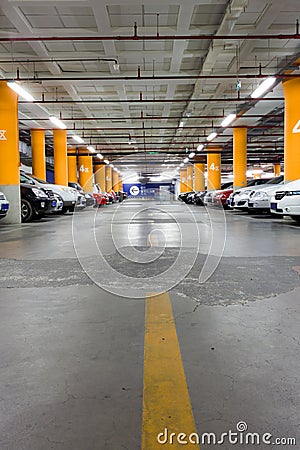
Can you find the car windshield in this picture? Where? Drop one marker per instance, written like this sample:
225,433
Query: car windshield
275,180
39,180
24,179
257,182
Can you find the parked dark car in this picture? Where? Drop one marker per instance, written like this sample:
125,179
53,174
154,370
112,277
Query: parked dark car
34,202
184,196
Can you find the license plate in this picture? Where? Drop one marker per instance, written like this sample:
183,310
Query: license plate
42,204
4,207
273,206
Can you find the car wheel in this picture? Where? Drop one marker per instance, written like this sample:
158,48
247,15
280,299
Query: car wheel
26,211
296,218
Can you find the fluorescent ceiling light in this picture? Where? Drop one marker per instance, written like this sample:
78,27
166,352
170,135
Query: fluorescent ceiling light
99,156
181,124
78,139
111,165
91,148
200,147
263,87
57,122
106,161
20,91
181,164
211,136
191,155
186,160
227,121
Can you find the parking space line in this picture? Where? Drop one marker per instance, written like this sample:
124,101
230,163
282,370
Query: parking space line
166,400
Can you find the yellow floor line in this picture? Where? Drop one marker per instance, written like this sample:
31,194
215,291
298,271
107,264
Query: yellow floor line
166,401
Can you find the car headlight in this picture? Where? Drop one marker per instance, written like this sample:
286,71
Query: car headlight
39,193
260,195
293,193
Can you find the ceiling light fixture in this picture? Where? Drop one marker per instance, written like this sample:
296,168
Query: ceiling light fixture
57,122
191,155
211,136
181,124
181,165
263,87
91,148
77,139
200,147
99,156
20,91
106,161
186,160
228,120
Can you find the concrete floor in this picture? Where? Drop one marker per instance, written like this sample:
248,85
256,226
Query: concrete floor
72,323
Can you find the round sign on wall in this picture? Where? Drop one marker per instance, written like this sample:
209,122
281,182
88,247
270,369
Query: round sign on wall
134,190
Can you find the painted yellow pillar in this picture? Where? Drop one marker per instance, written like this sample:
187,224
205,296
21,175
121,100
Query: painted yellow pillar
189,178
120,187
99,171
108,178
214,170
60,157
115,180
277,169
38,153
183,179
291,89
85,170
199,179
239,157
72,165
9,152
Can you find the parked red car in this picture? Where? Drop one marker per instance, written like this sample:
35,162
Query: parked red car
220,198
99,196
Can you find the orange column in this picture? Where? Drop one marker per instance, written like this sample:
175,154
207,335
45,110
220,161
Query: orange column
85,169
108,178
214,170
99,171
9,152
72,165
183,180
115,180
291,89
277,169
199,180
240,157
189,178
38,153
60,157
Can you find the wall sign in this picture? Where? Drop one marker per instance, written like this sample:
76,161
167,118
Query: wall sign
2,135
296,128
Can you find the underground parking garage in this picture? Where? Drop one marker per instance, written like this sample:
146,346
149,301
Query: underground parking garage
149,224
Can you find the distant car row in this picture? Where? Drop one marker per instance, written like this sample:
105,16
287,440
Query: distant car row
271,196
39,198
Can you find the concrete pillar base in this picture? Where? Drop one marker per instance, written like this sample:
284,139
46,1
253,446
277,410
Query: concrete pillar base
12,193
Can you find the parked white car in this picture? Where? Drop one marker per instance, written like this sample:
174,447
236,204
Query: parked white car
4,205
241,198
260,200
68,194
286,201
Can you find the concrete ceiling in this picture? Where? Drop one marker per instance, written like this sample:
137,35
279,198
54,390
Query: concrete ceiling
80,80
